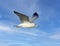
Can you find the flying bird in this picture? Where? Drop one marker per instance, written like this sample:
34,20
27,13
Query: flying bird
26,22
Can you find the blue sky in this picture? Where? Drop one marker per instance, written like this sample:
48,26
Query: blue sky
48,34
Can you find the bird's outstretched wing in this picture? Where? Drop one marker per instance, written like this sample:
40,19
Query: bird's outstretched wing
34,17
22,17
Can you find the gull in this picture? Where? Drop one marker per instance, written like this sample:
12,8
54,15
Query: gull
26,22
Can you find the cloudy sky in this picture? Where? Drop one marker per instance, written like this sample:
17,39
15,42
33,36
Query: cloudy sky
48,32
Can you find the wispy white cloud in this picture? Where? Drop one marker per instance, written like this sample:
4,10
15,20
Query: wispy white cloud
3,44
15,44
29,33
55,36
5,28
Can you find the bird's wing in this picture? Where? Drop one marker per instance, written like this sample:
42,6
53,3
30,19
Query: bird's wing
34,17
22,17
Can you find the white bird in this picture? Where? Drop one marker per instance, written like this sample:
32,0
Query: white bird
25,21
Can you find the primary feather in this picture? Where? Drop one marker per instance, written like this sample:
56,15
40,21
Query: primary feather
34,17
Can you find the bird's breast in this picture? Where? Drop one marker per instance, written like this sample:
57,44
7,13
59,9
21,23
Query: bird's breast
27,24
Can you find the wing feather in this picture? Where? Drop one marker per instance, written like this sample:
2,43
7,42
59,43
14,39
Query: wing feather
34,17
22,17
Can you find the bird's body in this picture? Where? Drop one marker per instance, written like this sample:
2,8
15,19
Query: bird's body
26,25
26,22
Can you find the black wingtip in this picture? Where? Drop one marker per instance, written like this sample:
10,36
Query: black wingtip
16,12
35,13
